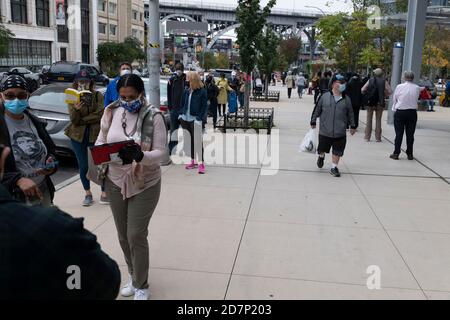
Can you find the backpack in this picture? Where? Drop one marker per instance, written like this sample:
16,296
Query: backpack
372,95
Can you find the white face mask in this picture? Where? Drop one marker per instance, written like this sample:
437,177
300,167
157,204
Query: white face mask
124,72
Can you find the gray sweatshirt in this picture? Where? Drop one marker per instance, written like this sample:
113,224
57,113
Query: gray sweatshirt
334,116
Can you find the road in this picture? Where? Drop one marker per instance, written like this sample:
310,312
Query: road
68,168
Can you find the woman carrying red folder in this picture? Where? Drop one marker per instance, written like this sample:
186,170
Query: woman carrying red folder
134,185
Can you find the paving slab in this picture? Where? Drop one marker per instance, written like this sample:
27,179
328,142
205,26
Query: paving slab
245,287
329,254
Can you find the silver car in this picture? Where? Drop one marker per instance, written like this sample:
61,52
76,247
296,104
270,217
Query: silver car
48,104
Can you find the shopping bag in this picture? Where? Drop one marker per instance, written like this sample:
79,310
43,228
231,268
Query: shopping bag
309,144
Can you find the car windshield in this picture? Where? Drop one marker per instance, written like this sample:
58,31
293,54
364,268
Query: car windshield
63,68
52,96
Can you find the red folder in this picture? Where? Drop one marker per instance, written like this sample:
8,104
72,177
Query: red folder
107,153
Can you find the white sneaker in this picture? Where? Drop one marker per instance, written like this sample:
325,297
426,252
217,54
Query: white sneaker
142,294
128,290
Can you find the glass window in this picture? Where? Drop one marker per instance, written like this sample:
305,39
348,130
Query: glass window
102,28
19,11
134,33
112,8
135,15
42,13
112,29
102,5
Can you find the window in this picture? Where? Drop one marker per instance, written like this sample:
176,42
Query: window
134,33
102,28
112,8
42,13
28,53
19,11
102,5
135,15
112,29
63,54
141,16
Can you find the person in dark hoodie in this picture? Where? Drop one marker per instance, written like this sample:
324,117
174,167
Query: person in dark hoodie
49,255
354,86
175,89
32,159
335,111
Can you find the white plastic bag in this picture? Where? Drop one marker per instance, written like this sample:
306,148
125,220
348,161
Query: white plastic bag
309,142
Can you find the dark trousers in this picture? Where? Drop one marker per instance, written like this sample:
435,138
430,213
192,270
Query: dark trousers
196,138
316,94
174,125
356,115
405,121
289,92
241,99
213,110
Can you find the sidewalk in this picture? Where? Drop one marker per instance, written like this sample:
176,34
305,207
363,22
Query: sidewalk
299,234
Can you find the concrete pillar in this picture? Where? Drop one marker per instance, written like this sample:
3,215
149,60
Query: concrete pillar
415,33
31,12
74,25
396,77
94,31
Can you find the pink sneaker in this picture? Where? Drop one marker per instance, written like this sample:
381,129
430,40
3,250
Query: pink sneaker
192,165
201,169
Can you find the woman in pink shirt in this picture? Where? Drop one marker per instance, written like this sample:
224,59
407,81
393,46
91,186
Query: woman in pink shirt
133,184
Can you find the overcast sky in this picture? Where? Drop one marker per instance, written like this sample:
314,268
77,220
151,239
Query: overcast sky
333,5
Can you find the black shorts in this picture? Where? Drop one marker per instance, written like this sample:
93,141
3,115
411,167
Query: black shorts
338,144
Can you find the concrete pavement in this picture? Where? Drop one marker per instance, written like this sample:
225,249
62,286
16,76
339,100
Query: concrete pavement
299,233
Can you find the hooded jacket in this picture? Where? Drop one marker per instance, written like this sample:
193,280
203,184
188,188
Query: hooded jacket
334,116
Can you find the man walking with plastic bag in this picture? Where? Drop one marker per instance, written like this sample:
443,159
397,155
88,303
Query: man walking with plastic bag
335,112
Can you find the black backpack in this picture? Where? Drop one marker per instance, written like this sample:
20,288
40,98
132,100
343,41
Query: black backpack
372,96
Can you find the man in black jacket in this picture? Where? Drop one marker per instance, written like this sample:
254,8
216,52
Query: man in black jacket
175,90
47,254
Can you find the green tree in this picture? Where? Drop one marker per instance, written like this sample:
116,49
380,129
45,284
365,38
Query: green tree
290,49
207,60
5,36
268,55
222,61
252,19
111,54
370,57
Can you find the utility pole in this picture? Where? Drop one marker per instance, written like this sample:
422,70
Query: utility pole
153,52
153,61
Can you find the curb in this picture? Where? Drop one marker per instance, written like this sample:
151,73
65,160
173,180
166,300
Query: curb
67,182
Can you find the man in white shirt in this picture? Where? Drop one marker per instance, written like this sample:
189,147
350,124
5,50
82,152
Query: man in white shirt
405,100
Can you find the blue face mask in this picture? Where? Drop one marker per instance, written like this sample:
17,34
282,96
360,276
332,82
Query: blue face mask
342,87
16,106
132,106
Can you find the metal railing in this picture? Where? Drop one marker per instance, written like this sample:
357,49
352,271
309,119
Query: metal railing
228,8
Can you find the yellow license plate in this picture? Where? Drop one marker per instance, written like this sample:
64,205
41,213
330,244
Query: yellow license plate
61,78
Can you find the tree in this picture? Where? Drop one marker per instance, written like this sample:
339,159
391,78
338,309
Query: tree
111,54
370,57
5,36
268,55
207,60
290,49
222,61
252,19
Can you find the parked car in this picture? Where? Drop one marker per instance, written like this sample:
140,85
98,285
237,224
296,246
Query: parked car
65,71
48,104
33,79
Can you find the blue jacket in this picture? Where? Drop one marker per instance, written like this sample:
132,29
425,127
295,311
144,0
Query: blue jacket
199,103
111,93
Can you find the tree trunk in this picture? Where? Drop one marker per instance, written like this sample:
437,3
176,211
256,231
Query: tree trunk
247,99
266,85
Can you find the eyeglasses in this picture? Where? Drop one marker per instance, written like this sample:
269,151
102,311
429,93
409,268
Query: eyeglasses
12,96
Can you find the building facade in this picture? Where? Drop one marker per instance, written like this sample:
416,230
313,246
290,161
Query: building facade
119,19
46,31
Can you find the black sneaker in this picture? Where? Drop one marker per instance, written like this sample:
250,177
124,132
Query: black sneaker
394,156
320,162
335,172
410,157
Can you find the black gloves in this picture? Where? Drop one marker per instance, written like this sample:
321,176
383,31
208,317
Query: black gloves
130,153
